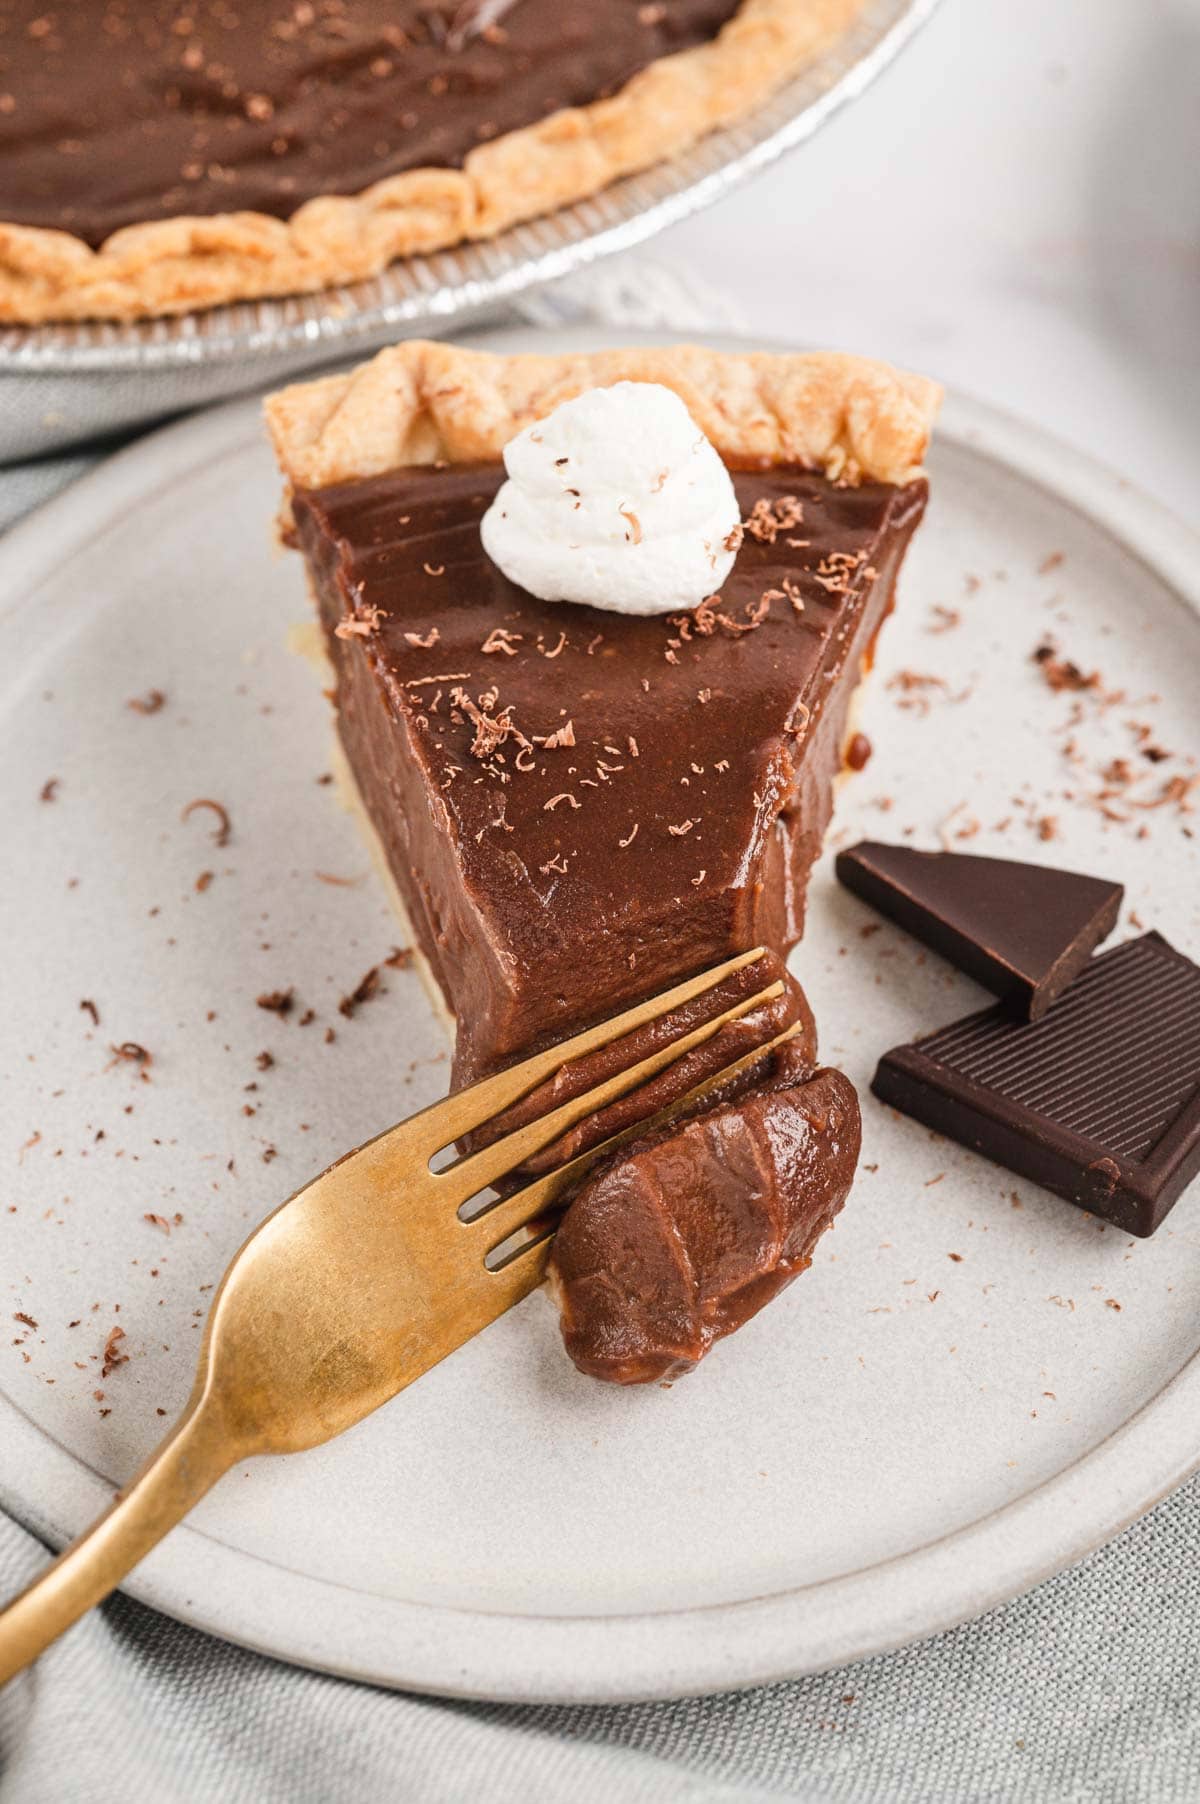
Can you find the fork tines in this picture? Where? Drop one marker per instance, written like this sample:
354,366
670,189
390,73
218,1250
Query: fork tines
465,1112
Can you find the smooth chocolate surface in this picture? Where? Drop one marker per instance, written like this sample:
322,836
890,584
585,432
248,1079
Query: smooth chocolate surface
684,1237
1024,931
580,806
113,112
1099,1102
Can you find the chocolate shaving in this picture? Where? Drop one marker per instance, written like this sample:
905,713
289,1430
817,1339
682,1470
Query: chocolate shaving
491,730
359,625
89,1008
707,617
49,790
566,796
157,1221
426,641
129,1052
564,735
223,829
28,1320
1063,673
837,571
769,517
150,703
946,619
1176,789
367,986
500,639
111,1358
915,686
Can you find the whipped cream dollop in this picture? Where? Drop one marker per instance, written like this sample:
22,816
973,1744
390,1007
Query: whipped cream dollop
617,500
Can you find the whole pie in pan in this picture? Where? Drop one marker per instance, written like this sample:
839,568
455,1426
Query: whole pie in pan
577,806
165,155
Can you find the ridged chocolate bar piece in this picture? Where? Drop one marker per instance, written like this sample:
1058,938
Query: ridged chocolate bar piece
1099,1102
1024,931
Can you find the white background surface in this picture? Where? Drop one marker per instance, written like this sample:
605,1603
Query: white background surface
1015,208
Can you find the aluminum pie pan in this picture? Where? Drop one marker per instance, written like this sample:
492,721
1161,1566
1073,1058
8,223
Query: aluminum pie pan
451,286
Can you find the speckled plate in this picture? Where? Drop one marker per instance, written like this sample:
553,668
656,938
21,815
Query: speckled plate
974,1386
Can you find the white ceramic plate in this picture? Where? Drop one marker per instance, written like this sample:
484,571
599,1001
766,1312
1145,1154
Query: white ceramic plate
948,1408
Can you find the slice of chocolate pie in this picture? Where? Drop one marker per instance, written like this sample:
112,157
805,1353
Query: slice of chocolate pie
577,805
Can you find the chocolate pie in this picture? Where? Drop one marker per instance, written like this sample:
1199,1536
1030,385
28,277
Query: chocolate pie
165,155
577,807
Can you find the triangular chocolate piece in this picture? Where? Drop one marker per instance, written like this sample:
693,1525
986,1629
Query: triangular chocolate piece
1024,931
578,805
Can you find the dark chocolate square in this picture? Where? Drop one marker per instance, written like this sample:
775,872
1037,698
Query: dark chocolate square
1099,1101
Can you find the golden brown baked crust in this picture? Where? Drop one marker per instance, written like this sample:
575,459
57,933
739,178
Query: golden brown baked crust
421,400
178,265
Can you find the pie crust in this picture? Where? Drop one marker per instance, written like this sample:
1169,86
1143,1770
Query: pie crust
178,265
421,401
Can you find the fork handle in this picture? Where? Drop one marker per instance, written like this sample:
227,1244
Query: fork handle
179,1472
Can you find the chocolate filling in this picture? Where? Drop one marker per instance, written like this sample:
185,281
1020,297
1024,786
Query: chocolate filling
683,1238
581,807
121,111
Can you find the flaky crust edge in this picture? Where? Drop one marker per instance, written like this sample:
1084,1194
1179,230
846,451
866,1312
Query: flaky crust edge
422,401
184,264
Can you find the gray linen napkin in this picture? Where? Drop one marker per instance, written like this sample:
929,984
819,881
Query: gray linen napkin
1085,1692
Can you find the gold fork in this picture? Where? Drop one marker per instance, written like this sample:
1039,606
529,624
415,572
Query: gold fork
360,1283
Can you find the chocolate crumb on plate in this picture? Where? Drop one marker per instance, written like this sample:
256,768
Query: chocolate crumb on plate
150,703
112,1357
278,1002
367,986
129,1052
